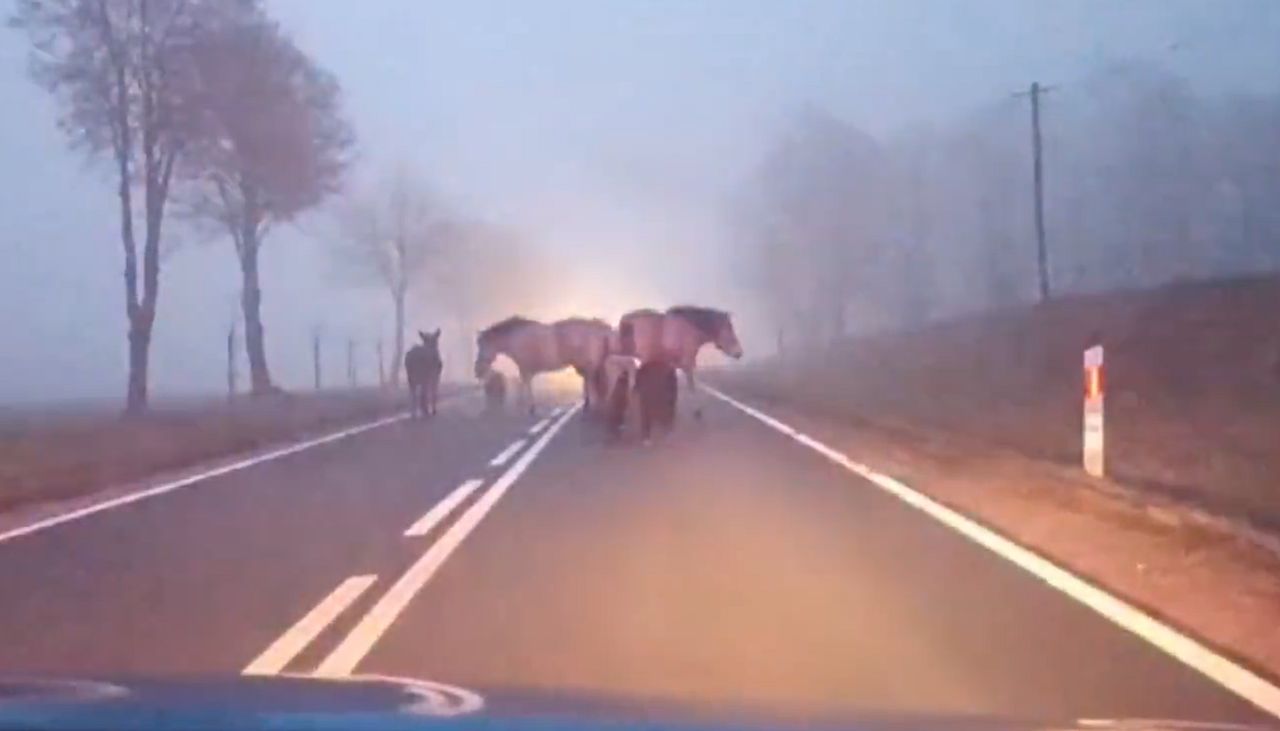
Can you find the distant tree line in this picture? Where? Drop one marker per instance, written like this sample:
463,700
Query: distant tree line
202,108
1146,182
206,111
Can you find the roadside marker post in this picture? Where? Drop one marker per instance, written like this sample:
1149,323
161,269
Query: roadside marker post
1093,452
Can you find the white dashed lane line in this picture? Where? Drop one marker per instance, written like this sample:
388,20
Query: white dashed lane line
357,644
505,455
442,509
295,639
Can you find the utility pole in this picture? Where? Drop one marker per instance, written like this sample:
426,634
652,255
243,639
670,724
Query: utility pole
1042,253
315,356
351,362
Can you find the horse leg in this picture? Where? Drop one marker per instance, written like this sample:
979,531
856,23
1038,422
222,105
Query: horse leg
527,391
693,388
669,390
617,404
646,413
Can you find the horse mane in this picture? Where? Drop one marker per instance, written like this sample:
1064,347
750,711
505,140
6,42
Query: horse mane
707,320
505,327
595,321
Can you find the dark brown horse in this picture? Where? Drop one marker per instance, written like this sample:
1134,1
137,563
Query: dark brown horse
676,336
611,384
422,368
538,347
656,390
623,383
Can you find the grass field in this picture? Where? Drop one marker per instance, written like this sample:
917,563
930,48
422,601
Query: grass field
56,453
1193,387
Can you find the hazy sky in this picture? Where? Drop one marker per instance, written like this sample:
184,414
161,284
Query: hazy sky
608,130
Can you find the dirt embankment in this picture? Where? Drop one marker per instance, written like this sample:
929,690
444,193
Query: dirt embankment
54,456
1193,387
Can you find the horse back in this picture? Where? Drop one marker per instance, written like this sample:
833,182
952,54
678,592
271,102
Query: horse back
582,343
535,349
640,334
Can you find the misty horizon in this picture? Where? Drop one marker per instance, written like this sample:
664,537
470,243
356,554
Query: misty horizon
614,137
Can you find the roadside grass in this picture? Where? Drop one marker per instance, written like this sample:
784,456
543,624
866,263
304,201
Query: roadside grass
53,456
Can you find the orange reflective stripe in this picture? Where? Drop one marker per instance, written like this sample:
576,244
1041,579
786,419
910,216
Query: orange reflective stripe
1093,383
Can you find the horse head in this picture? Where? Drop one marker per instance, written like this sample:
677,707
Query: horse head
714,326
431,341
485,355
726,339
492,340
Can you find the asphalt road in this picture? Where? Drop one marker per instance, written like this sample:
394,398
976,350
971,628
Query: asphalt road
725,565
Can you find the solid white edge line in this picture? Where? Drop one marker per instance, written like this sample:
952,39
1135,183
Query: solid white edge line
357,644
441,510
507,453
295,639
1192,653
193,479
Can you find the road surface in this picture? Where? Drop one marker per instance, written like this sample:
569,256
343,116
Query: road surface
726,565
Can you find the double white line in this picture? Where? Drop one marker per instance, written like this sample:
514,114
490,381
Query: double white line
366,633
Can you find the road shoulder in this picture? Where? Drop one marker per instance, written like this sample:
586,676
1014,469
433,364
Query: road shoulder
1203,578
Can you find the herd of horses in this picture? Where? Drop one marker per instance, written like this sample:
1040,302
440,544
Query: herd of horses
637,358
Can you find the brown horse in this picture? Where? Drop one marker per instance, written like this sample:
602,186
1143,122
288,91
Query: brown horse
612,382
656,391
622,379
422,368
583,343
676,336
538,347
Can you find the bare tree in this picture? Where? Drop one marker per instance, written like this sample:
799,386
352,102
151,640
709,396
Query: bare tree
120,70
821,231
275,143
387,236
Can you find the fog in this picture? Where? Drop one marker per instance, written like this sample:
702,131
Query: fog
623,144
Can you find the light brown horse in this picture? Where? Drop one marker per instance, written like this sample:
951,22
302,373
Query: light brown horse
538,347
676,336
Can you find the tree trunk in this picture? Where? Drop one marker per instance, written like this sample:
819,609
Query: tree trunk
397,345
139,352
251,300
